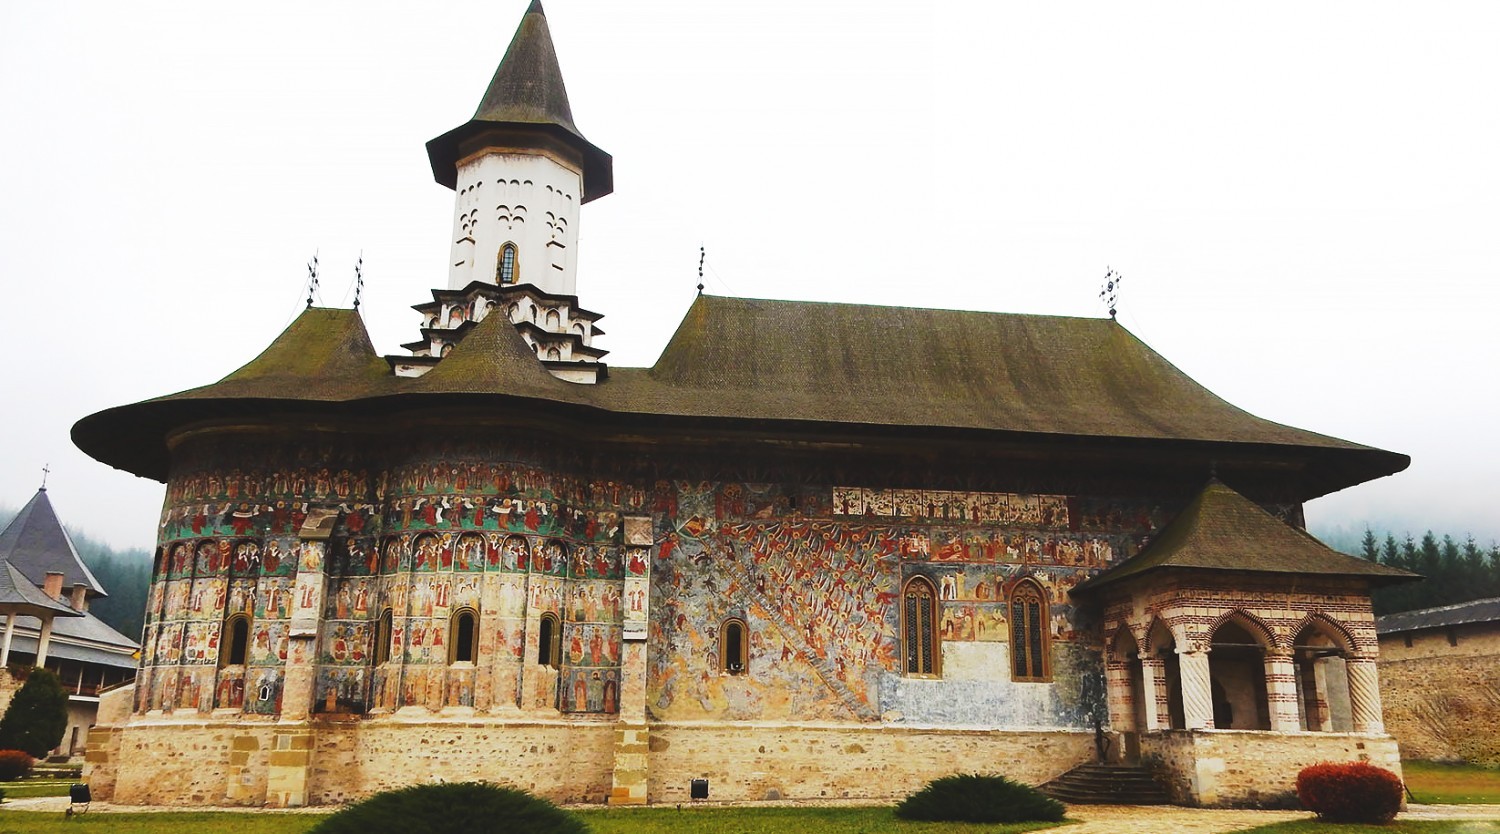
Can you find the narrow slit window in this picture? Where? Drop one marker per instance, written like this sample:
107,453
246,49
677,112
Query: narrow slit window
734,647
1028,633
919,628
505,271
383,637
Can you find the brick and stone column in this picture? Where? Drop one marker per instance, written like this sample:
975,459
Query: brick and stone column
1281,691
1314,677
1119,695
1364,695
632,736
1154,678
1197,698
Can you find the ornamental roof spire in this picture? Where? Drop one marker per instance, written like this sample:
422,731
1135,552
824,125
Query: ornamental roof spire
526,95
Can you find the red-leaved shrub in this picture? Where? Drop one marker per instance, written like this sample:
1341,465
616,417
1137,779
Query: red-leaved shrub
14,764
1350,792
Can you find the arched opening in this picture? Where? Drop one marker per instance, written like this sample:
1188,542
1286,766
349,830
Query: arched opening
383,637
1028,632
549,641
463,631
1164,650
1237,676
1318,653
734,647
505,268
236,640
920,650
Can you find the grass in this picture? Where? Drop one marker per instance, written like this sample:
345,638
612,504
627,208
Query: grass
780,820
613,821
1397,827
25,788
1452,784
32,822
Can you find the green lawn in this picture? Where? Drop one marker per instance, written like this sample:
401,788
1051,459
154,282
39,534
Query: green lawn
615,821
1397,827
1452,784
32,822
779,821
36,787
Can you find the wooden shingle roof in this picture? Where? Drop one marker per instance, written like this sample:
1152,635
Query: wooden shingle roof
1221,530
761,365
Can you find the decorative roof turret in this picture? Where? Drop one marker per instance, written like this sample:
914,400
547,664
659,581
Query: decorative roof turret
526,102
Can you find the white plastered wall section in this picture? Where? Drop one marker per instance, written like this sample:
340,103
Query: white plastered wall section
528,199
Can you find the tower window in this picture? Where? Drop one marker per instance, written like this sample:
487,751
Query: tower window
1028,632
919,628
236,640
734,647
505,271
463,630
383,638
549,641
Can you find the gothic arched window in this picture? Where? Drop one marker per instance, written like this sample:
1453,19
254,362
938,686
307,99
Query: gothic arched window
734,647
505,270
463,634
236,640
1028,632
549,641
919,607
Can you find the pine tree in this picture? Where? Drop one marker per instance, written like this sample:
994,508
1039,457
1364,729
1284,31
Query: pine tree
37,716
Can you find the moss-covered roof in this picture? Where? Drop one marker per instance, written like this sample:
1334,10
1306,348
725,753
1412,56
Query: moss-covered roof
758,364
526,92
1221,530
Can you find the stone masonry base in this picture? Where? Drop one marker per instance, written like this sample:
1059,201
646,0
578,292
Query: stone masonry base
1240,768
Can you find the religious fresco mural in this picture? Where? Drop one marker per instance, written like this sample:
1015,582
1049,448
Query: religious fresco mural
815,572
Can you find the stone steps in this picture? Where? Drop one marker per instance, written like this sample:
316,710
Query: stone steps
1096,784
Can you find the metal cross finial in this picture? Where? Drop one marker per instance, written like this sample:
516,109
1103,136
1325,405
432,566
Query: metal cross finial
312,278
359,278
46,470
702,253
1109,293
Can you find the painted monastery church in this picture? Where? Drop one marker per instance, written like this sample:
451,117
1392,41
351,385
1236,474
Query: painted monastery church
904,543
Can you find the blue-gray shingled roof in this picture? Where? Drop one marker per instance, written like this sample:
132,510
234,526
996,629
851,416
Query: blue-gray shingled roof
1463,613
36,543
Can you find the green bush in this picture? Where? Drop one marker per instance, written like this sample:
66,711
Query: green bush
976,798
468,807
14,764
1350,792
37,716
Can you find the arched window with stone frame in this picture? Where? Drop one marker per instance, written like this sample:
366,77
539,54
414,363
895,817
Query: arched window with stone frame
506,266
235,641
921,653
734,647
463,636
549,641
383,637
1030,659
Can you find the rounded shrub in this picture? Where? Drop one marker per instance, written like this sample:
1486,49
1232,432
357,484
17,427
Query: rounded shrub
469,807
1350,792
976,798
14,764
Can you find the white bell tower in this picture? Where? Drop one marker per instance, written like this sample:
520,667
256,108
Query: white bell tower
520,169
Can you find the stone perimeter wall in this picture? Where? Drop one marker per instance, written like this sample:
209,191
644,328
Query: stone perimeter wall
1442,698
237,762
1219,768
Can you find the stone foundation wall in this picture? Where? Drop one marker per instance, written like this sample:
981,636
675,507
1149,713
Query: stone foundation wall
1221,768
238,762
763,761
1442,701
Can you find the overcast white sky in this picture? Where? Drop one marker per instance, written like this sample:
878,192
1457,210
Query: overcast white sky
1304,198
